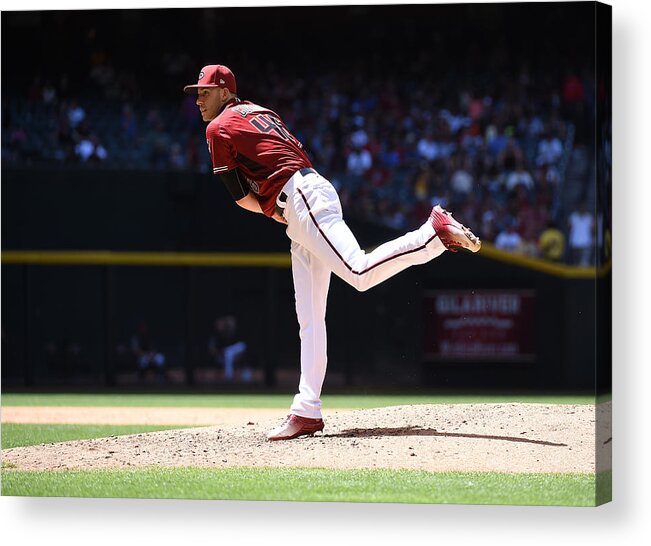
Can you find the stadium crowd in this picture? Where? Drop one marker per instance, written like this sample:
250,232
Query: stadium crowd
496,152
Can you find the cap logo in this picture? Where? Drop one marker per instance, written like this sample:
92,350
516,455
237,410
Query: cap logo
221,81
201,74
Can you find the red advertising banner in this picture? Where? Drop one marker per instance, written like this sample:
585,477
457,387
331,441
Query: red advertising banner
492,325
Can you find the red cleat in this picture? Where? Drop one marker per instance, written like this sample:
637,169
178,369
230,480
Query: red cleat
294,426
453,234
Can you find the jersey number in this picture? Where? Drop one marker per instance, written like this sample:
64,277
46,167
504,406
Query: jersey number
267,124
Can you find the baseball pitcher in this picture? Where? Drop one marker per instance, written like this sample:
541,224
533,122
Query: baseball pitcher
266,170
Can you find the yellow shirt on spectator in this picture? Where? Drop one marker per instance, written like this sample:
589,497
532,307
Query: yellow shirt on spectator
552,244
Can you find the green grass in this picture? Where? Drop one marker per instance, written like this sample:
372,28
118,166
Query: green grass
282,484
20,435
332,401
302,484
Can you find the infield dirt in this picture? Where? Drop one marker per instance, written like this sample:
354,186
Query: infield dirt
461,437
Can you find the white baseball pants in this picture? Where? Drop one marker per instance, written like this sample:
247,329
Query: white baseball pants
322,243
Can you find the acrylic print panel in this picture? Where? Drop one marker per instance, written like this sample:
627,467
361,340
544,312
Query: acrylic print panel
474,378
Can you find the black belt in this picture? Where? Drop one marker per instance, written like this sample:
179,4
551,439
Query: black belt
282,197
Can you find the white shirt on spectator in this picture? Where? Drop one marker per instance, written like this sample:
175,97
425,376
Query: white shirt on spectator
508,241
428,149
101,152
519,177
76,115
549,151
359,138
461,181
359,162
580,229
85,149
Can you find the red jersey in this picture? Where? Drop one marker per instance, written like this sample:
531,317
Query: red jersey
254,140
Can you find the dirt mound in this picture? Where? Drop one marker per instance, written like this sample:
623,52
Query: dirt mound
464,437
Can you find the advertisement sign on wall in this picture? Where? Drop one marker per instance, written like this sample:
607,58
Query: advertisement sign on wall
479,325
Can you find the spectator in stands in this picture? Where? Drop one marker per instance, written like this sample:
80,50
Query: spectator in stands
470,142
76,114
359,137
511,154
90,149
228,349
362,131
581,235
476,106
49,93
177,159
461,181
534,126
128,124
391,153
66,140
148,357
573,95
573,91
193,153
519,176
550,150
423,181
398,217
496,140
17,144
509,239
428,148
488,220
359,161
157,141
421,209
325,152
439,188
103,75
531,217
529,238
469,210
551,244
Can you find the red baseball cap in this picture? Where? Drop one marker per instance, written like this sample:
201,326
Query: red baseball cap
214,75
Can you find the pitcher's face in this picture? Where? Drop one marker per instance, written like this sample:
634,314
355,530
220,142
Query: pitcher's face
210,101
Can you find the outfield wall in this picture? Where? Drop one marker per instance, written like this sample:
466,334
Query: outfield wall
169,248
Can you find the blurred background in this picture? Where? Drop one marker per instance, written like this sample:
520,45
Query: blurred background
500,112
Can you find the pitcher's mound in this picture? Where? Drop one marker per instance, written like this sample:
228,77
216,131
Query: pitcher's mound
461,437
